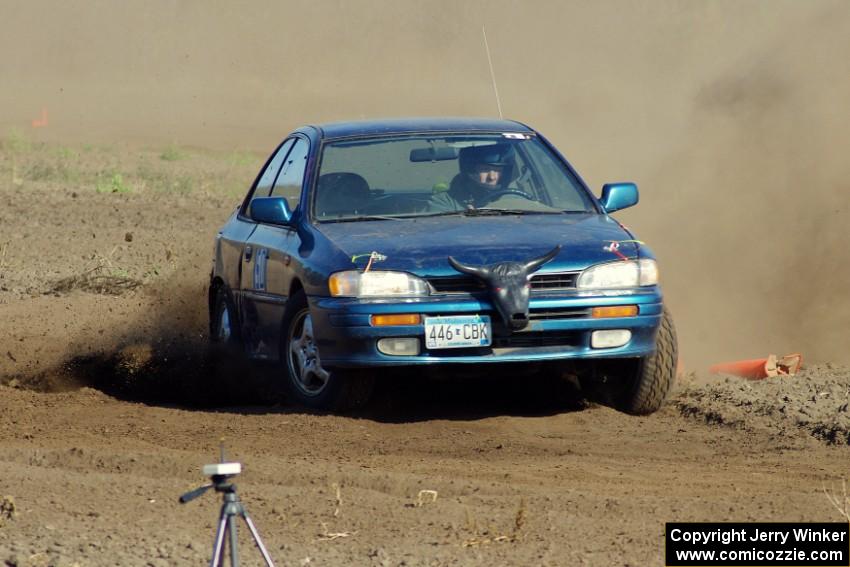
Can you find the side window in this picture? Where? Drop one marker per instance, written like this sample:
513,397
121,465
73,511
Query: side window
523,176
554,183
264,184
291,176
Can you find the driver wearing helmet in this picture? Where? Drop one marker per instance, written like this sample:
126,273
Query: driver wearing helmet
485,172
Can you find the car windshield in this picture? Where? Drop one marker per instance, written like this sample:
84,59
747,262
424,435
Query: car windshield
429,175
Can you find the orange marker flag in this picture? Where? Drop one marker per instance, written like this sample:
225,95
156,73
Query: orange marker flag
40,122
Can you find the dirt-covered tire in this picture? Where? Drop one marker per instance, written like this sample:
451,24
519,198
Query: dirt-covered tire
224,330
307,382
655,374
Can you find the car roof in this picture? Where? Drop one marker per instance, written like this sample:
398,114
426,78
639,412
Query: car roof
417,125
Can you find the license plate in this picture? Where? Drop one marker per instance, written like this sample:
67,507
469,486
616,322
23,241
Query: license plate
458,331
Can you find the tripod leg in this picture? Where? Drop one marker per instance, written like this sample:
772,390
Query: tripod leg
234,553
257,539
219,540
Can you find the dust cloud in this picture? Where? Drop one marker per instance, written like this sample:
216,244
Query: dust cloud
732,117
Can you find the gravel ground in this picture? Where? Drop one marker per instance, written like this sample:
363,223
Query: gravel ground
110,404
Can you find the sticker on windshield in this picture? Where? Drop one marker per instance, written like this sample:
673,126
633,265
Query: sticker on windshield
515,136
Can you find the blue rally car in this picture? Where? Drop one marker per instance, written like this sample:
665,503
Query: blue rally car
440,242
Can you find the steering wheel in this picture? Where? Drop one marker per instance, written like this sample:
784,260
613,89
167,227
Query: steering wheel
490,197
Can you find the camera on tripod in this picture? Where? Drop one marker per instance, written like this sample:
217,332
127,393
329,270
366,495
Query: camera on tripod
220,475
222,469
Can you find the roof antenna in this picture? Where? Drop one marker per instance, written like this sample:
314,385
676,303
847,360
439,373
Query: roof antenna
492,74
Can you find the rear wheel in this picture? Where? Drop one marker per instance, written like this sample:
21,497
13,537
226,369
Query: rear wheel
655,374
308,382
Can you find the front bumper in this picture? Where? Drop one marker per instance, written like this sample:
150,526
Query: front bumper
560,328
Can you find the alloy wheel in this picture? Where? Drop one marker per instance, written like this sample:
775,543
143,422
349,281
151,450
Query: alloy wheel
305,366
224,331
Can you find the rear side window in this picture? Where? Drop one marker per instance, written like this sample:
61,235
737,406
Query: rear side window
291,176
267,178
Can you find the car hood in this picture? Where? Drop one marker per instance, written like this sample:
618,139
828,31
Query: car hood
421,246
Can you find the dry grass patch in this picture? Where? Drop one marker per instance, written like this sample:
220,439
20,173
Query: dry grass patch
96,280
485,538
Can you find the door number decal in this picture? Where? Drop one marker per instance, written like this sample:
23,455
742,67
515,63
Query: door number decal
260,264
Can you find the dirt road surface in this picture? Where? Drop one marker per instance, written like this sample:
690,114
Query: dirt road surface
110,404
128,134
95,481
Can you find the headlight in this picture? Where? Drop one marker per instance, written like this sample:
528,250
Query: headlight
376,284
631,273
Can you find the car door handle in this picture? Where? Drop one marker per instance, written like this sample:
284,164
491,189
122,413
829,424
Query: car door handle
248,252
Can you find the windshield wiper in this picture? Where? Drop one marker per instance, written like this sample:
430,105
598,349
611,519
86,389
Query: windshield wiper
436,214
361,218
472,212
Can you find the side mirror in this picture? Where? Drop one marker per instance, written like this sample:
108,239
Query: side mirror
271,210
616,196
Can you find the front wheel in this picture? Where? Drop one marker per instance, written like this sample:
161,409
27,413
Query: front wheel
307,381
224,330
655,374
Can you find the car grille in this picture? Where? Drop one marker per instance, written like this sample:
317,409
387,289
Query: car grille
456,284
559,313
567,280
537,339
469,284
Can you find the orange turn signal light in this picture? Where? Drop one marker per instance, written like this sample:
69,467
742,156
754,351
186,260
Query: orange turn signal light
396,319
615,311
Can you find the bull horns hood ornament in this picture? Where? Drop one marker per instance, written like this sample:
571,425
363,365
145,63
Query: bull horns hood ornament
508,285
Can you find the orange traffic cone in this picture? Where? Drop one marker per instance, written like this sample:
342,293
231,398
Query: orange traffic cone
759,368
754,369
